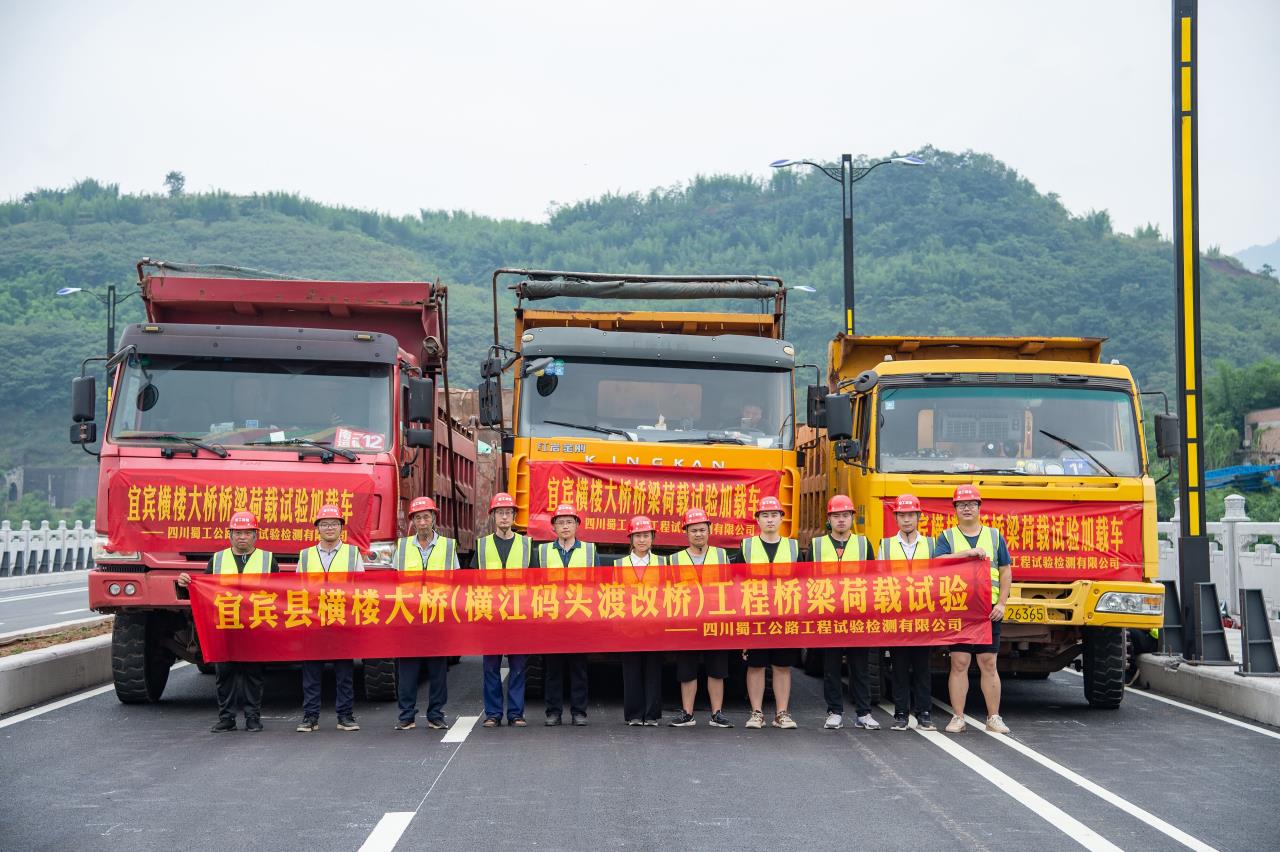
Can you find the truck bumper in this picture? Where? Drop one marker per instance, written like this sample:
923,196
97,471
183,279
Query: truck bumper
1076,604
115,587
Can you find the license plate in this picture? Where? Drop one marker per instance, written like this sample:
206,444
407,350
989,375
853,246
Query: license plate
1026,614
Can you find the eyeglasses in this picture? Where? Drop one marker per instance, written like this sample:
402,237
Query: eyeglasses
968,504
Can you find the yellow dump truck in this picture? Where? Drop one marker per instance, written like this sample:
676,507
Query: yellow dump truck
1052,437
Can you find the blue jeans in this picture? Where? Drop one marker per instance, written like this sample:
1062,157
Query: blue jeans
344,677
407,669
493,686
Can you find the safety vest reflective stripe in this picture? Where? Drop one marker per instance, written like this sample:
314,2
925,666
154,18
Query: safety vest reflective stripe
891,548
714,556
409,557
754,553
582,557
654,560
224,562
822,544
309,561
487,553
988,543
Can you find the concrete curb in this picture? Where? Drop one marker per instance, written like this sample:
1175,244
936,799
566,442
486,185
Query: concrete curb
1216,687
28,581
34,677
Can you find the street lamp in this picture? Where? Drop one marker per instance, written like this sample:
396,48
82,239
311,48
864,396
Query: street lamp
110,300
847,177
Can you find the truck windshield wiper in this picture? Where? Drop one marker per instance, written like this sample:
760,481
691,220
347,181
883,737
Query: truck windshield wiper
324,445
217,449
604,430
1078,449
711,438
998,470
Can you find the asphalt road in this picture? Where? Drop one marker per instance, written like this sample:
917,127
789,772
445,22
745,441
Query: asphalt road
37,606
96,774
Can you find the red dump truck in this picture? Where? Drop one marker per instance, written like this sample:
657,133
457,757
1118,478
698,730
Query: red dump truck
244,391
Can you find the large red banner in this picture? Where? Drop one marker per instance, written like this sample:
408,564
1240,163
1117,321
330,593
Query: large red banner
607,496
158,511
445,613
1053,540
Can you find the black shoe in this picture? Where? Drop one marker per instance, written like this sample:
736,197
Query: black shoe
682,720
580,721
253,724
900,722
308,724
403,725
437,724
223,725
719,720
552,721
924,723
348,723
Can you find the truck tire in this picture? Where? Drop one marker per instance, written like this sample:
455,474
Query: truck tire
534,677
878,672
139,666
380,680
205,668
811,661
1104,665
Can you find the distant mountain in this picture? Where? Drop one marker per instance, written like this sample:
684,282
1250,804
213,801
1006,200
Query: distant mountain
1255,256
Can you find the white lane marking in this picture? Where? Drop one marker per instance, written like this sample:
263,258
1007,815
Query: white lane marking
1194,709
70,611
458,731
386,834
1080,781
63,702
504,671
16,598
1038,805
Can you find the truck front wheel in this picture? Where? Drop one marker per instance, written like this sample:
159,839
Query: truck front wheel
139,662
380,680
1104,666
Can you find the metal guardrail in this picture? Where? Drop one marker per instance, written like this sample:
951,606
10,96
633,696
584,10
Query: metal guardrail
44,549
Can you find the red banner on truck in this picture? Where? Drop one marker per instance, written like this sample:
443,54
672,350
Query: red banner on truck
156,511
608,495
381,614
1053,541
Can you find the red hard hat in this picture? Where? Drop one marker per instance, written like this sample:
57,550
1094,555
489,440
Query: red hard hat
639,524
906,503
566,510
422,504
839,503
502,500
966,492
695,516
328,511
769,504
243,521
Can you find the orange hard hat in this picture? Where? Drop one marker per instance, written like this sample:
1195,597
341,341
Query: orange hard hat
839,503
566,510
639,524
422,504
243,521
695,516
328,511
769,504
906,503
966,492
502,500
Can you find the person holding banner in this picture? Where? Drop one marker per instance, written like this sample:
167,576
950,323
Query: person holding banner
841,544
504,549
327,557
641,670
911,662
566,552
697,526
969,537
766,548
425,550
239,684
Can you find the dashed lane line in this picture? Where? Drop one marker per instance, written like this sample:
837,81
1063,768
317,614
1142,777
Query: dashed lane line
459,730
386,834
76,591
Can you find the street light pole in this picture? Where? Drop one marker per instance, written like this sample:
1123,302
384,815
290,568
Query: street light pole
110,300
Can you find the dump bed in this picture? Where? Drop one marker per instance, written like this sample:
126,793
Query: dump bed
851,355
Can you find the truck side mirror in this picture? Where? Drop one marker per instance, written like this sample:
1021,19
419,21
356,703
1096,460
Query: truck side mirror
84,433
816,406
508,444
490,403
84,399
418,438
1168,436
848,450
839,416
421,403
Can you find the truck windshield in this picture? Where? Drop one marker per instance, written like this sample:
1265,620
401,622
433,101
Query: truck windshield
237,402
1019,430
667,403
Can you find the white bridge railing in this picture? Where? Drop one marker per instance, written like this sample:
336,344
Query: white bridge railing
44,549
1236,558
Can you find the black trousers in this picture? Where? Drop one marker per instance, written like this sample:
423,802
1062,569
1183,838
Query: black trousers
911,692
859,679
408,670
554,666
642,685
239,685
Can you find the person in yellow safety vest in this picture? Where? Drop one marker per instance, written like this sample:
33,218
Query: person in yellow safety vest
768,547
697,526
970,538
911,692
425,550
842,544
641,670
503,549
565,552
238,684
327,557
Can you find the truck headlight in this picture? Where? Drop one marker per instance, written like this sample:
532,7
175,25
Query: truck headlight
382,553
1135,603
102,554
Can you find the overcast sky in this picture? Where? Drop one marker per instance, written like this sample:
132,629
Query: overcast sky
506,108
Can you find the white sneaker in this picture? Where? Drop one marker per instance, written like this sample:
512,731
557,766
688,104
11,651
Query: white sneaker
956,725
866,721
834,722
996,725
756,720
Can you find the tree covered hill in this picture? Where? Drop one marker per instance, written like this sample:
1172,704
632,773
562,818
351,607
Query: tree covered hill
963,245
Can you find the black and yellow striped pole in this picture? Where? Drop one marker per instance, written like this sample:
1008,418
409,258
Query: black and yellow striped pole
1193,543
